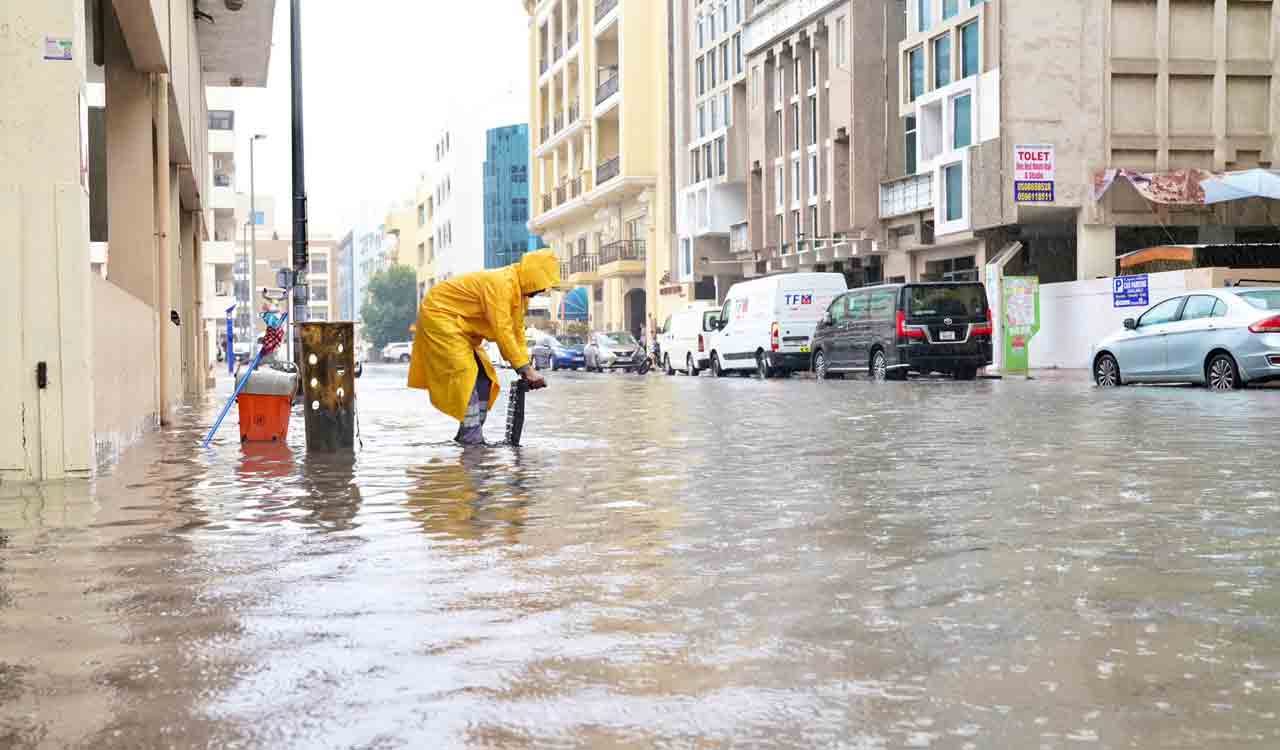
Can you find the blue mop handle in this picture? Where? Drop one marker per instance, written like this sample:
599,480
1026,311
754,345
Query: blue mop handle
239,387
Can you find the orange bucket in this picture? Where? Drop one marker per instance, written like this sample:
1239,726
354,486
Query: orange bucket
263,419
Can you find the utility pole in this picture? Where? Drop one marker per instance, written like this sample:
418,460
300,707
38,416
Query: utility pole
253,235
300,252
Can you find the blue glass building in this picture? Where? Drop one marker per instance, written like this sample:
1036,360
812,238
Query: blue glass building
506,196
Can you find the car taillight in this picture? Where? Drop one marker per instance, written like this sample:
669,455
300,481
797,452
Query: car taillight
984,330
702,347
907,333
1270,325
774,338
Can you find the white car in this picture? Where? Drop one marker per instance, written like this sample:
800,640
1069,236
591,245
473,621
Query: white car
684,338
397,351
766,325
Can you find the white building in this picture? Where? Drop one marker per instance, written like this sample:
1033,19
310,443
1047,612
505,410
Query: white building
457,193
372,255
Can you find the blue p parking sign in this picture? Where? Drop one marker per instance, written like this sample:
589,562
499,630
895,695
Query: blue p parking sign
1131,291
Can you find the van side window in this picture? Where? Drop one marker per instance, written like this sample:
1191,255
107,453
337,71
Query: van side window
883,304
724,313
837,310
858,304
666,326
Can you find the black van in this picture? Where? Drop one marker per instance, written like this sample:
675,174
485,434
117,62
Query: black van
892,329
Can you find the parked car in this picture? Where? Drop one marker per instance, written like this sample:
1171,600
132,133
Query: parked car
243,352
397,351
684,336
890,330
557,352
617,350
765,325
1221,338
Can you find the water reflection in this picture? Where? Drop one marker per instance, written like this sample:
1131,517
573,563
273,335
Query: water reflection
479,495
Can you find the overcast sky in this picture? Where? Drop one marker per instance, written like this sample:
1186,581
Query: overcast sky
380,77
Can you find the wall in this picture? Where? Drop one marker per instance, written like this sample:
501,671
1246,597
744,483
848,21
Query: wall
124,368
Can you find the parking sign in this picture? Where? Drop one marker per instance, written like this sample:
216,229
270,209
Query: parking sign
1131,291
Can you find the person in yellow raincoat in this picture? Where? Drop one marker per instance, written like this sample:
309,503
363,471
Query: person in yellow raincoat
455,319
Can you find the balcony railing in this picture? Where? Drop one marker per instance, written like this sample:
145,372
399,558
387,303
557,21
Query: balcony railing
573,32
608,169
603,7
573,113
546,202
559,52
560,193
559,122
564,269
584,264
545,132
607,88
906,195
575,187
622,250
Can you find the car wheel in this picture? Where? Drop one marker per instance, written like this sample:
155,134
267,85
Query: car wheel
1222,374
762,366
404,359
1106,372
666,365
689,368
879,367
820,365
716,369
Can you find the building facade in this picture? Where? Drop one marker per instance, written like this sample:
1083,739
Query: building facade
506,195
342,271
601,177
457,197
373,253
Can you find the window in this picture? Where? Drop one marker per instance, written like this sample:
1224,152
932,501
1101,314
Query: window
319,293
813,119
222,119
796,229
795,127
915,62
795,74
782,235
724,109
970,61
779,190
1164,312
700,72
715,114
320,315
1199,306
711,65
720,155
737,54
838,309
686,268
856,306
953,179
813,223
795,180
422,214
1266,299
1219,309
962,121
706,159
813,67
950,8
737,11
319,264
909,145
697,167
813,175
842,42
724,18
882,305
777,84
711,19
942,61
782,143
755,86
724,60
702,42
924,9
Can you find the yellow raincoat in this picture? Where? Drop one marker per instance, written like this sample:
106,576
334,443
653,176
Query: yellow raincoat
458,315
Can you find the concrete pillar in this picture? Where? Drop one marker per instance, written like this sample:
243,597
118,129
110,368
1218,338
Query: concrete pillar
46,422
1095,251
131,189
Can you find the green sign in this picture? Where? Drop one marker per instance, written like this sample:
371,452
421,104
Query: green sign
1020,321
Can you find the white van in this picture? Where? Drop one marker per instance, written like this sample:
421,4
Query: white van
766,324
685,337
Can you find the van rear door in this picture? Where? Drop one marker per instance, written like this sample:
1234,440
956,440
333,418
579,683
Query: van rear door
947,311
802,299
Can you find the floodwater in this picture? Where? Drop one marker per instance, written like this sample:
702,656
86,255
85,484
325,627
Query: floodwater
668,562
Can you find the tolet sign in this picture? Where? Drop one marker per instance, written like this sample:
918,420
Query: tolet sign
1033,173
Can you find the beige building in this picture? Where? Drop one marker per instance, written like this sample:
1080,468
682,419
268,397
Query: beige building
275,252
601,180
96,360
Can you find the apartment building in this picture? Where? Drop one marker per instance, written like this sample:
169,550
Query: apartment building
457,190
710,121
601,177
424,251
819,124
276,253
342,272
1136,101
223,279
372,253
506,195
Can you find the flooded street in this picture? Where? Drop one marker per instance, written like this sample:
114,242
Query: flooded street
668,562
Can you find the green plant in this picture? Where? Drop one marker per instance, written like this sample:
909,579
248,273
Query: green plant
390,305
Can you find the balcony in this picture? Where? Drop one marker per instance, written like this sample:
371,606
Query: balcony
622,250
560,195
608,169
574,112
607,88
584,269
575,187
545,132
557,52
222,180
906,195
564,271
573,33
547,205
558,122
603,7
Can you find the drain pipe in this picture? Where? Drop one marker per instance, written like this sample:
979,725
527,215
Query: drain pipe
164,303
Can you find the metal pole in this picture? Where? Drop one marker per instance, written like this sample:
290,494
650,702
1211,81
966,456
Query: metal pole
253,234
300,252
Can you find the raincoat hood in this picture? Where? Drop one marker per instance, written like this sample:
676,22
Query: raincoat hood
538,271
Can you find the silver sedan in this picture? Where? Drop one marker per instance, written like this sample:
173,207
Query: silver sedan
1221,338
